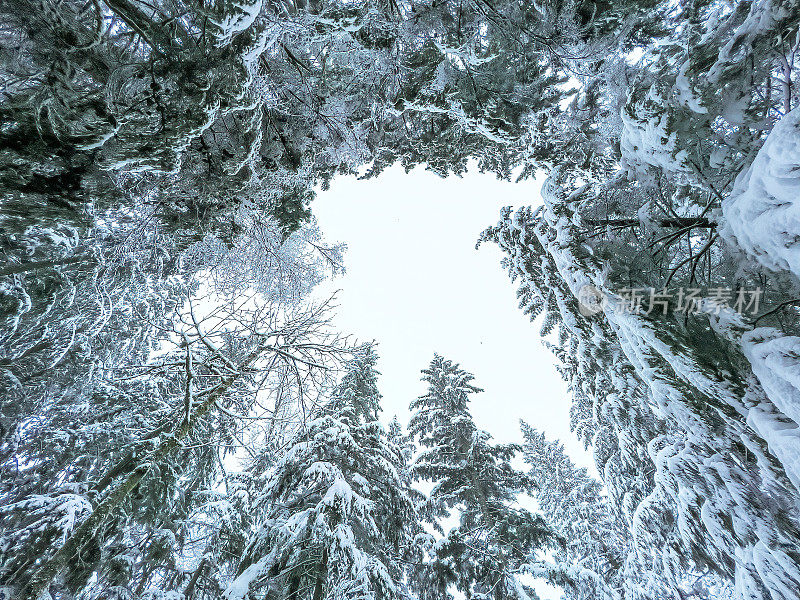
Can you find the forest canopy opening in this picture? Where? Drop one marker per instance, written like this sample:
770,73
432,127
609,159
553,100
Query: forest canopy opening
415,283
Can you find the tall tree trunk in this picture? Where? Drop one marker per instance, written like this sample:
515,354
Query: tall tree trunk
319,585
482,500
126,464
786,82
189,591
294,587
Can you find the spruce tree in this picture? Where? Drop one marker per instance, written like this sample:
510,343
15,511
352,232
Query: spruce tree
660,396
339,517
482,555
596,558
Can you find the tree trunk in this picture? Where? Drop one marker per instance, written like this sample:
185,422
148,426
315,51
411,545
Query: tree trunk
319,585
189,591
482,500
125,465
677,222
294,587
786,82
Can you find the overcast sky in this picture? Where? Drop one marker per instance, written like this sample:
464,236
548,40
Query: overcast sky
416,285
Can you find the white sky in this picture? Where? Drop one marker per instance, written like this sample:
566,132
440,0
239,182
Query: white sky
416,285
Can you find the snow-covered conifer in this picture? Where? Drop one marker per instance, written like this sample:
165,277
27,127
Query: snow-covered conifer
339,516
481,556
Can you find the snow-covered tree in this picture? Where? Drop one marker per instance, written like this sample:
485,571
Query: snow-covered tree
597,555
594,546
358,390
664,398
124,499
663,184
338,514
482,555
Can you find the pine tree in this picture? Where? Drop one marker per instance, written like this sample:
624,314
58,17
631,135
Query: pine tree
597,557
482,555
358,390
661,397
126,499
339,516
573,503
668,144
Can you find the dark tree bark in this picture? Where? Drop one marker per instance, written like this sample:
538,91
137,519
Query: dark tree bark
678,222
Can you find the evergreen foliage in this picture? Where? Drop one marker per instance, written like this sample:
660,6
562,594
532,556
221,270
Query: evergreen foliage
483,554
338,515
